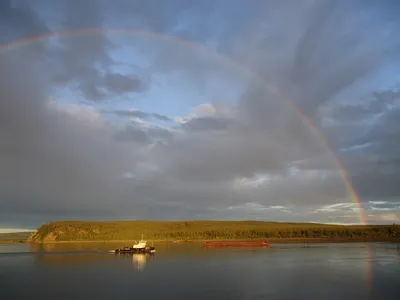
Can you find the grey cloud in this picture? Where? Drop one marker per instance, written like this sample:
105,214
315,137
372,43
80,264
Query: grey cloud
375,168
326,48
386,129
272,117
380,103
46,152
329,42
141,115
163,19
146,135
98,88
161,117
132,133
19,19
122,83
86,58
236,151
206,124
92,91
54,165
77,59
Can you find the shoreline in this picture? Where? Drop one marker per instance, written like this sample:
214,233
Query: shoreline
269,240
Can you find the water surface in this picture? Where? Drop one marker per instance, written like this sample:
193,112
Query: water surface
189,271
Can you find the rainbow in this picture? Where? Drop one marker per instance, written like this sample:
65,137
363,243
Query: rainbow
272,89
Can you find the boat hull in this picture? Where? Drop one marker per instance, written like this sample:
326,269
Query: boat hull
135,250
236,244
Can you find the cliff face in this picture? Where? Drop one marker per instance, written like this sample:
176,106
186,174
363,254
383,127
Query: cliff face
64,231
38,237
33,237
44,233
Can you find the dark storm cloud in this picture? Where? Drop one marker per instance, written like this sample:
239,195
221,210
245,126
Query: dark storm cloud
63,161
19,19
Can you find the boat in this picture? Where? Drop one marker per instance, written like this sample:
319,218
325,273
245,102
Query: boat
137,247
236,244
130,250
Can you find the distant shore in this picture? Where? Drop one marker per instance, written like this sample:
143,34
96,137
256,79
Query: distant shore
270,240
200,231
14,237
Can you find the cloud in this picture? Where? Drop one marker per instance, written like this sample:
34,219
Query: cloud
377,202
132,133
134,113
206,124
81,61
386,218
85,114
375,167
120,83
202,110
47,151
17,18
380,103
255,206
158,128
338,207
334,43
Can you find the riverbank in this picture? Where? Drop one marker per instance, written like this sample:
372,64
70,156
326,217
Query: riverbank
269,240
12,242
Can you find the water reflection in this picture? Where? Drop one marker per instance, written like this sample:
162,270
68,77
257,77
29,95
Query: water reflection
369,267
74,247
318,271
139,260
52,259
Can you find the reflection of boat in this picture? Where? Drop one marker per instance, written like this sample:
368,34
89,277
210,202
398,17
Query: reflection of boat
137,247
139,260
236,244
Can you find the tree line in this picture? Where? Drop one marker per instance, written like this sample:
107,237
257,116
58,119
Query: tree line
205,230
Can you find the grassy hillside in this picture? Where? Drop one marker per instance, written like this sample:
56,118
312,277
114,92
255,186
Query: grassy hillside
202,230
14,237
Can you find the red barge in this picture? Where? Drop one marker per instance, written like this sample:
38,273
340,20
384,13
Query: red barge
236,244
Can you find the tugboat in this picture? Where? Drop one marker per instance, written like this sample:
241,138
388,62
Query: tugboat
137,247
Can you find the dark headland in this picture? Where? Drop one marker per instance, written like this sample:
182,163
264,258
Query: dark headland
113,231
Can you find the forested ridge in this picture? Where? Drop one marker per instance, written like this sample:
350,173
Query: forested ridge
203,230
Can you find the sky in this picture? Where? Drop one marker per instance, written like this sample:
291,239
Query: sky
181,110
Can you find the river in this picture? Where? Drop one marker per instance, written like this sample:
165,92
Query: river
189,271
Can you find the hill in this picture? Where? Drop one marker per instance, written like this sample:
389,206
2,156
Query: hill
203,230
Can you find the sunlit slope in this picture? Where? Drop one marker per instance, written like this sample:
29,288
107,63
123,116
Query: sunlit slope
200,230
